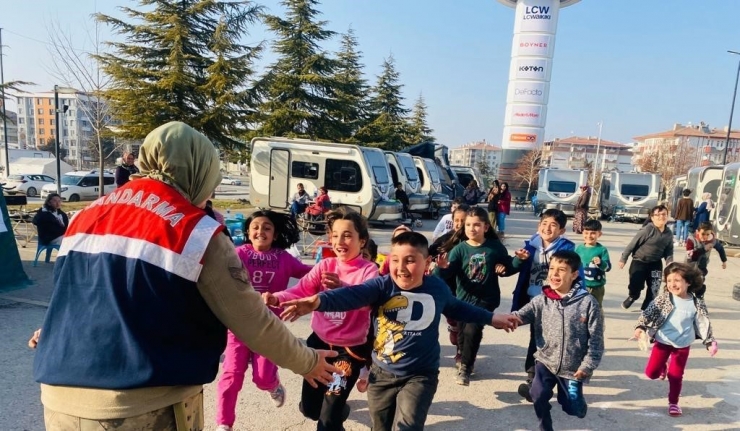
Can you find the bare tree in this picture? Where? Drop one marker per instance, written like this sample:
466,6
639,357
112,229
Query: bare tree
528,169
668,160
78,69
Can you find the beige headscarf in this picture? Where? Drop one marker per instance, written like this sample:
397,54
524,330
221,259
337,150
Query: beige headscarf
180,156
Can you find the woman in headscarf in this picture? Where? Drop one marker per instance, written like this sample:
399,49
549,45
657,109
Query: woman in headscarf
703,210
581,210
146,285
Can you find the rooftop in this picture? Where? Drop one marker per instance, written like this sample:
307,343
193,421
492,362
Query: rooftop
701,131
588,140
478,146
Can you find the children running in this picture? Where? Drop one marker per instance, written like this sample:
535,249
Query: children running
674,320
650,245
476,263
270,268
345,333
698,249
595,260
404,375
569,333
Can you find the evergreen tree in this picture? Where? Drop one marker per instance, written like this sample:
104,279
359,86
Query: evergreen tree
351,88
387,126
419,130
178,62
298,92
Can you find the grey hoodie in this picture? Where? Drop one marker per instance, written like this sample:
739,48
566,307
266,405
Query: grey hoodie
569,332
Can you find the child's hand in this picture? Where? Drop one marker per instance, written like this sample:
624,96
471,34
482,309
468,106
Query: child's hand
299,307
500,269
641,337
507,322
580,375
442,261
724,265
522,254
621,265
713,348
270,299
330,280
34,341
596,260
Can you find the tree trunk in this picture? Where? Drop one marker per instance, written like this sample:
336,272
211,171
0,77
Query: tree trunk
101,167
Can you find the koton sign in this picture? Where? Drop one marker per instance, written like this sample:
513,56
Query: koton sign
533,45
537,69
528,92
525,115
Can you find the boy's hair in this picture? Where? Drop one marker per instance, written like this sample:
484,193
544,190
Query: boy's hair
570,257
286,230
461,207
688,272
483,216
299,185
372,249
592,225
398,184
686,193
558,215
657,209
458,200
345,213
414,239
706,226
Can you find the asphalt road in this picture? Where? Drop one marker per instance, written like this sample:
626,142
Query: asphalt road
619,396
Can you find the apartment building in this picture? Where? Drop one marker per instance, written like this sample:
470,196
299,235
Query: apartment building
476,152
581,152
706,146
36,122
11,124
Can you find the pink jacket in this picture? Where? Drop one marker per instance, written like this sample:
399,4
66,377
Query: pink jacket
345,328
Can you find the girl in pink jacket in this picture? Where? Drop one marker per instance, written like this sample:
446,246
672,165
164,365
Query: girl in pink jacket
270,268
344,332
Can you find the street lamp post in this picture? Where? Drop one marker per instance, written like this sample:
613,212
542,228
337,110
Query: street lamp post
56,141
732,110
596,157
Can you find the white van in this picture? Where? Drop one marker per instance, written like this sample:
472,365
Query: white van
356,177
78,186
560,189
404,171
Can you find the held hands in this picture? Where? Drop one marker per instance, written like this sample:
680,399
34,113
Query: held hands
500,269
322,372
270,299
299,307
522,254
507,322
330,280
34,341
713,348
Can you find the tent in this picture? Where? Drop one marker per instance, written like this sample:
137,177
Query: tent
10,260
38,166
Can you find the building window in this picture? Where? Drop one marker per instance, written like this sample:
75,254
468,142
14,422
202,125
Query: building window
51,131
41,131
20,120
51,112
51,101
304,170
38,101
51,122
20,111
41,121
40,111
343,176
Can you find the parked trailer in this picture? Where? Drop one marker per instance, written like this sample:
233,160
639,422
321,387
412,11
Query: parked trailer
355,176
403,170
431,184
465,174
705,179
680,183
629,195
560,188
727,221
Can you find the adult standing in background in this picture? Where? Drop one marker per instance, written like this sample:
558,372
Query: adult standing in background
684,214
504,207
581,210
703,210
125,169
130,345
493,197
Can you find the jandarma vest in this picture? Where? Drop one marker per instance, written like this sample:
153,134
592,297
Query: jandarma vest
126,311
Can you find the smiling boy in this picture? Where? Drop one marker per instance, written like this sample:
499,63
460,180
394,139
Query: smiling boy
569,333
404,374
595,259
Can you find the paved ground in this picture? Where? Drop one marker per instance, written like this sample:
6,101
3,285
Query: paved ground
620,397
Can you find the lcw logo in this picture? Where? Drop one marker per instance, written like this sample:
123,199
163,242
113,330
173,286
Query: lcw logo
530,10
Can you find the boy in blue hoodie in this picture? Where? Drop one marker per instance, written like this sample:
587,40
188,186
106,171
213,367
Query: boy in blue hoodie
534,262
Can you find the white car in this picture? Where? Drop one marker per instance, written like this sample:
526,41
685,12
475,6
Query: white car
77,186
30,184
231,181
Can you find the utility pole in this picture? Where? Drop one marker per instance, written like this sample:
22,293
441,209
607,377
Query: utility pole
5,118
732,110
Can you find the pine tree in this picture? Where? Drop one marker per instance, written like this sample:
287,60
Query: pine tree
178,62
387,126
298,92
419,130
351,88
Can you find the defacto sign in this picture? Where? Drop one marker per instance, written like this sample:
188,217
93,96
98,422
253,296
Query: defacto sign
532,49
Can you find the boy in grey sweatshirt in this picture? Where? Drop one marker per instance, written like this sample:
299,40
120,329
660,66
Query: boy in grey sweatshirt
569,333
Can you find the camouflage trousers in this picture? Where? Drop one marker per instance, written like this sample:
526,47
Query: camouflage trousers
183,416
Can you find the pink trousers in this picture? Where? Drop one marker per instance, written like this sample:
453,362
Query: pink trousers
238,356
657,363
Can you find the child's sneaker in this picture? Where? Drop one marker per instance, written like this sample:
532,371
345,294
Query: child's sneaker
463,376
524,388
674,410
628,302
278,395
223,428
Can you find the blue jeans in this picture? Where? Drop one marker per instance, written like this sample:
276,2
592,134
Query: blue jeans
296,208
408,397
570,396
682,230
501,220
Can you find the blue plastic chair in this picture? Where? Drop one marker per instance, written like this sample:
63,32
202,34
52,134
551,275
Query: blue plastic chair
48,248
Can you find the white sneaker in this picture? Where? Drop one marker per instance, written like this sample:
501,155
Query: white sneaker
278,395
223,428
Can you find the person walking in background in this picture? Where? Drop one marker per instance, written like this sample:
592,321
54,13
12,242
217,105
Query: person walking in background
703,210
504,207
581,210
684,216
125,169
